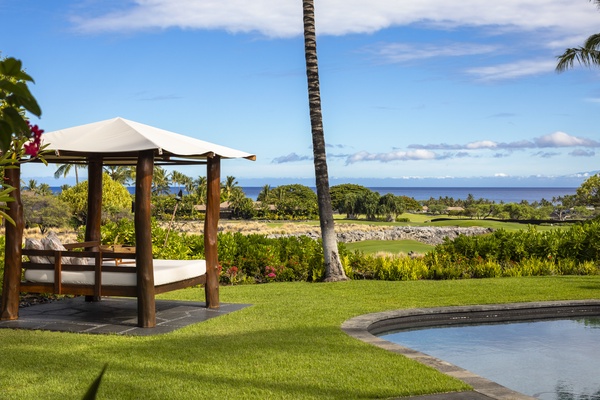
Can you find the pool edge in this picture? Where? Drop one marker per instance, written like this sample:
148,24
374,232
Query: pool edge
364,328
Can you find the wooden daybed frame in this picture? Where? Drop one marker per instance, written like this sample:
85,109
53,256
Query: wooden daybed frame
80,145
99,257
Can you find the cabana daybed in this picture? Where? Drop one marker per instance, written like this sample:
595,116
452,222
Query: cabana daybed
94,272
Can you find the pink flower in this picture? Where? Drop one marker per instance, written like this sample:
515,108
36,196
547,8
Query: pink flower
271,275
33,147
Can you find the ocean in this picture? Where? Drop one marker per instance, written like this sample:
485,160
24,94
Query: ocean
496,194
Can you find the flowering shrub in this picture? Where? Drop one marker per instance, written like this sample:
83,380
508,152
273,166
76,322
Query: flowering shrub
230,275
15,99
270,273
17,136
258,259
32,148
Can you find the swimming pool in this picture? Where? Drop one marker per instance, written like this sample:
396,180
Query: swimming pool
366,327
550,359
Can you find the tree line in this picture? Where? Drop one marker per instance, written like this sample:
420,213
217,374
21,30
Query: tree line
285,202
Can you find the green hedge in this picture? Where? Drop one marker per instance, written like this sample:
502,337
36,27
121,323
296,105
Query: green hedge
581,243
243,258
258,259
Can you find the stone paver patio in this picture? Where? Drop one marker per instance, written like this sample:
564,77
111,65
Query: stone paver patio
113,316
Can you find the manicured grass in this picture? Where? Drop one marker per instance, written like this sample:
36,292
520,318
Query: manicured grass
389,246
508,226
287,345
428,220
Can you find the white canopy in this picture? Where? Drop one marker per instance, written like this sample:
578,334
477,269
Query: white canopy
120,139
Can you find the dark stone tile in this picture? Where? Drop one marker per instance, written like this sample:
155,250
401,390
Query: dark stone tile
113,316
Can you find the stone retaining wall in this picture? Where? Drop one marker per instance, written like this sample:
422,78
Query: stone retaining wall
427,235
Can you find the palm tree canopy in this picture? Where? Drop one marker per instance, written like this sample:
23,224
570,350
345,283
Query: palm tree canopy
160,181
120,173
587,55
64,170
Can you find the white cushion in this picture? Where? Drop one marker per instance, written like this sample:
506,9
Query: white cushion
165,271
35,244
52,242
82,261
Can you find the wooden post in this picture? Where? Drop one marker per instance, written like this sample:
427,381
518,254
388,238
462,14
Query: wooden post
143,240
94,211
211,225
14,241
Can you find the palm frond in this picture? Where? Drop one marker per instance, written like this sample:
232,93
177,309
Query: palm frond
62,170
584,56
593,42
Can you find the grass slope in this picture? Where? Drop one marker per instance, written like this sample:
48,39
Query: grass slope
287,345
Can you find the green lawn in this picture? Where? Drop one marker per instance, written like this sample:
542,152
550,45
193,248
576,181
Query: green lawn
288,345
430,220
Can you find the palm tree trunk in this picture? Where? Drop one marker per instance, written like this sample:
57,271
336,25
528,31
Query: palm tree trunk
334,270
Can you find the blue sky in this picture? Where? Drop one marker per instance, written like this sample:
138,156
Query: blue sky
415,92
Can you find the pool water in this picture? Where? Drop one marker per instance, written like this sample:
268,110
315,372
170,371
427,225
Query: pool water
547,359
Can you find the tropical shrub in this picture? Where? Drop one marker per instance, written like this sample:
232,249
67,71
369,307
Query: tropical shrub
265,260
344,197
116,199
44,212
581,243
288,201
295,202
258,259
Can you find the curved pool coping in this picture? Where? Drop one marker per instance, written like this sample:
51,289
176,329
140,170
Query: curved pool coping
365,327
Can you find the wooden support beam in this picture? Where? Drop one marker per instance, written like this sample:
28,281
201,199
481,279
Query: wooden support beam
143,240
94,211
211,225
12,250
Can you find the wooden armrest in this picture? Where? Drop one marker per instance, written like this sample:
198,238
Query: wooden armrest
91,243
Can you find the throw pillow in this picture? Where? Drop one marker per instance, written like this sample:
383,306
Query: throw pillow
35,244
52,242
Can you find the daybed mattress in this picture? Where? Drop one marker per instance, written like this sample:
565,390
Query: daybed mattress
165,271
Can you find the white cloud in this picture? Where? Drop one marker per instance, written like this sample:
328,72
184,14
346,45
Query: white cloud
402,52
392,156
545,154
484,144
456,151
556,139
514,70
564,42
292,157
582,153
561,139
276,18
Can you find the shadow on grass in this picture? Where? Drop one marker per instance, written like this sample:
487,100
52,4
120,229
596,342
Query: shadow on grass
300,362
